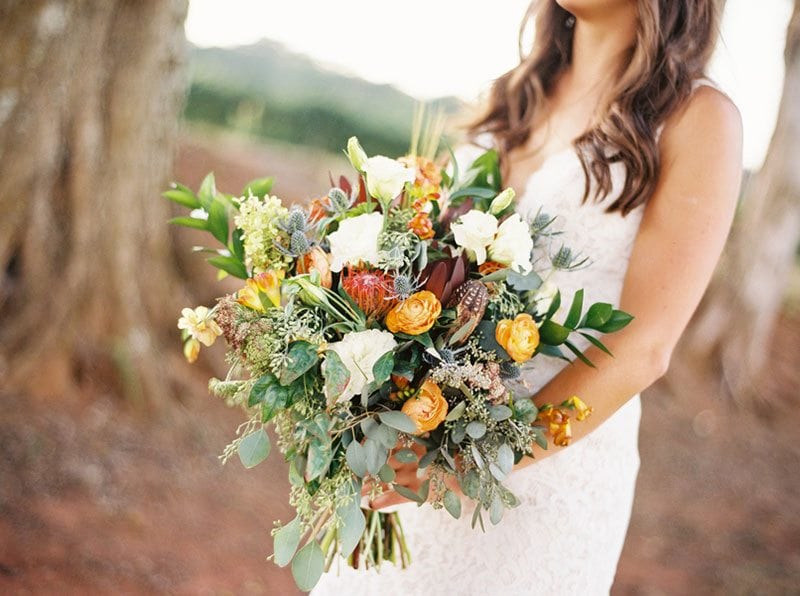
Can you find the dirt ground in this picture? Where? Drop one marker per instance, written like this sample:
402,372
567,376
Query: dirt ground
96,497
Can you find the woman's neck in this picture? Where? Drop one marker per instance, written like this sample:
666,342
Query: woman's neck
600,45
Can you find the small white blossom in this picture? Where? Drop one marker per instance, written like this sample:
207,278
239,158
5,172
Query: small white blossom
359,351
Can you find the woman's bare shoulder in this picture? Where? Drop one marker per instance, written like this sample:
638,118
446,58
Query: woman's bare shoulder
708,120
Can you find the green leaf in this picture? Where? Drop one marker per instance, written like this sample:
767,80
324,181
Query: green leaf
336,374
525,410
574,316
190,222
386,473
500,413
218,221
505,458
254,448
258,391
207,191
319,458
476,429
398,420
554,305
405,456
285,542
422,338
302,357
473,191
488,341
229,265
356,459
452,503
307,566
619,319
406,492
596,342
353,525
572,348
259,187
382,368
551,351
237,245
456,412
523,282
182,196
386,436
375,455
598,315
552,333
275,399
496,510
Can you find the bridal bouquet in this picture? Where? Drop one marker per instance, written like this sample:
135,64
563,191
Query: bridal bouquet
385,320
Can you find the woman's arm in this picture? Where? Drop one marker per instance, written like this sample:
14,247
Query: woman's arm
678,245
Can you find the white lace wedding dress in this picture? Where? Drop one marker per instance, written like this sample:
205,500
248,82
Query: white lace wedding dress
566,535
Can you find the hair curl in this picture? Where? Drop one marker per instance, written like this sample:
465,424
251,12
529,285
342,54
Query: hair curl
674,42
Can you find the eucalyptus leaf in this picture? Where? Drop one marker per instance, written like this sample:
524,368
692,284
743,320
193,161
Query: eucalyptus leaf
523,282
398,420
319,458
301,357
505,458
285,542
356,458
406,492
307,566
495,471
405,456
386,473
525,410
500,412
352,528
476,429
427,459
459,432
254,448
452,503
386,436
457,412
496,510
375,455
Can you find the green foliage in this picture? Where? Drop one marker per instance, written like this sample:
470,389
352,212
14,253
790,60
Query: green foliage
307,566
286,541
254,448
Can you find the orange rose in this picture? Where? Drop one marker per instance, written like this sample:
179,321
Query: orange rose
415,315
316,260
427,408
519,337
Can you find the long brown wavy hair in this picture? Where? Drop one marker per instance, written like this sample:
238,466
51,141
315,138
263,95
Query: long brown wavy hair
674,42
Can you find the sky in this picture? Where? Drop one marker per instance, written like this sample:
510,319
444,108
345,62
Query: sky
430,48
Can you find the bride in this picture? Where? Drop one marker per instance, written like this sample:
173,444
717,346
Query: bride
609,123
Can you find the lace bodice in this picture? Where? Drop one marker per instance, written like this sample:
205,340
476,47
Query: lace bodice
567,534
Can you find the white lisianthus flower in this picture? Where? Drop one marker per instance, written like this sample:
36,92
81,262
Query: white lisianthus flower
513,244
356,240
544,297
475,230
359,351
386,177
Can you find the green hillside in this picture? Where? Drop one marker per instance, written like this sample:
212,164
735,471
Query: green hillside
267,91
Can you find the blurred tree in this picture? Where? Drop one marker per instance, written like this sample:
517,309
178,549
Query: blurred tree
734,324
90,96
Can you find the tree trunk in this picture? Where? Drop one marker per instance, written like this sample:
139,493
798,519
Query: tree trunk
733,327
90,96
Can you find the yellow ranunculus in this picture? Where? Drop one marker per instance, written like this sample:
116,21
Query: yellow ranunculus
577,404
519,337
427,408
415,315
267,283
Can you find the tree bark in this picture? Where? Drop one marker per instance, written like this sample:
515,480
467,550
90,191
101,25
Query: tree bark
90,97
732,329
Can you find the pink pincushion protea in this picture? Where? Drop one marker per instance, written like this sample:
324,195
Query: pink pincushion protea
369,288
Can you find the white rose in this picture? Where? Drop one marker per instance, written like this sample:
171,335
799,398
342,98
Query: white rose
356,240
544,297
513,244
386,177
359,351
475,231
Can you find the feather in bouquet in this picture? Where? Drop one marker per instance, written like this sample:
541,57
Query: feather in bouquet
385,319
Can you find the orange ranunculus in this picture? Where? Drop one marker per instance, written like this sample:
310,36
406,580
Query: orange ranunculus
488,267
415,315
317,260
519,337
421,225
557,424
427,408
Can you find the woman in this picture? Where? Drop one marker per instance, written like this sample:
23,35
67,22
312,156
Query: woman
608,123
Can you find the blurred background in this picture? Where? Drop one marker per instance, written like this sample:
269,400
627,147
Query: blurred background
109,478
